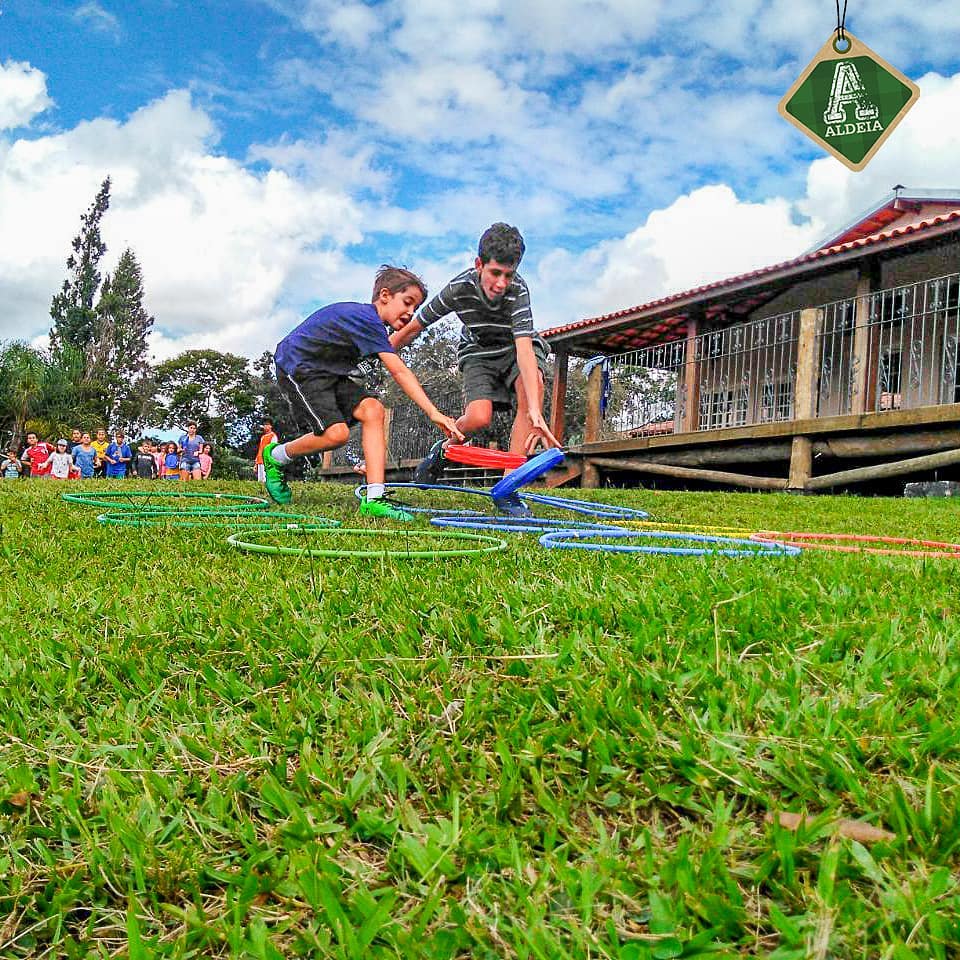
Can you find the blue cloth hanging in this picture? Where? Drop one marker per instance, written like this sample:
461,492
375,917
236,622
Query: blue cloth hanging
606,387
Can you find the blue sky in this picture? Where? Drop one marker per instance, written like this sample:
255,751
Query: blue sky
267,155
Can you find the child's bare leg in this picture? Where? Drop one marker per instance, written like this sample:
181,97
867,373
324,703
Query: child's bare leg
370,413
521,423
476,417
336,435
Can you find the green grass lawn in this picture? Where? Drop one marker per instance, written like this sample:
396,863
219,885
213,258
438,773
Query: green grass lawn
525,754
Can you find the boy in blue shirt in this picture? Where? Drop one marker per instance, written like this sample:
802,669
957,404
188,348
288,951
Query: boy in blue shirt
117,456
320,372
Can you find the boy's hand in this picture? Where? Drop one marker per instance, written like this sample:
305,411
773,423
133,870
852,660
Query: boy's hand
447,426
540,433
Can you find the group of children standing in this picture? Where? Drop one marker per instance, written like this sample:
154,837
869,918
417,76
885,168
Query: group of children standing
323,368
85,458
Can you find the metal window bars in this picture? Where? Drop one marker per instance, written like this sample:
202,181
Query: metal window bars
894,349
738,375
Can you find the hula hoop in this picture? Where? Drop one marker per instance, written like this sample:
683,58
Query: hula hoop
724,546
601,510
433,511
530,471
606,511
539,525
482,457
491,544
666,525
813,541
127,500
212,518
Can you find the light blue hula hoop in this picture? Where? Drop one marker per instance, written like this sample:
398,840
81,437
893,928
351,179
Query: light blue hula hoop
727,546
538,525
604,511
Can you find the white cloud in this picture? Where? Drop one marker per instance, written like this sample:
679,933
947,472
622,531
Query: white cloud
23,94
225,251
98,18
354,24
706,235
921,152
711,234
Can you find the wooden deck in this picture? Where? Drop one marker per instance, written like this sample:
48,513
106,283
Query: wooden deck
895,443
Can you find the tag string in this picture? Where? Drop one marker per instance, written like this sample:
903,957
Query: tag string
841,21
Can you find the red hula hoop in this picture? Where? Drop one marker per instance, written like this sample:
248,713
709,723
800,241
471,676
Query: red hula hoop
809,541
482,457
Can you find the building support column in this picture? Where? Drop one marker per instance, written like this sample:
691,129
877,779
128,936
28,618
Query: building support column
691,377
558,393
804,394
864,366
590,478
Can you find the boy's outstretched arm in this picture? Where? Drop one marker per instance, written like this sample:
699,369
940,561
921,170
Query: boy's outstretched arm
410,385
530,379
400,338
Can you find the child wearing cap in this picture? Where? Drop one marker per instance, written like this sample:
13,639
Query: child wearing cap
59,462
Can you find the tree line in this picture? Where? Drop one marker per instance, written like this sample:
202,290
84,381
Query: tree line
96,371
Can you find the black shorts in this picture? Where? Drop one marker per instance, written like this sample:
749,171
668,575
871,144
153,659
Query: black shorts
492,377
319,400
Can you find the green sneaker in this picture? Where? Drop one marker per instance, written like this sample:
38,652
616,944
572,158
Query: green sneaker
384,509
277,486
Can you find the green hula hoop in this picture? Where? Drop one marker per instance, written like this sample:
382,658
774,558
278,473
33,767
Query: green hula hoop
128,500
491,544
248,519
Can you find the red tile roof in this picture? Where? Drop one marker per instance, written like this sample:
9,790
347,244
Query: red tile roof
821,254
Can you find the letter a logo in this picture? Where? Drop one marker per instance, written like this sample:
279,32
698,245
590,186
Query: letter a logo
848,88
848,101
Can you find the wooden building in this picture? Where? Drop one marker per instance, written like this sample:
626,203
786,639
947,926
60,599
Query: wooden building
837,367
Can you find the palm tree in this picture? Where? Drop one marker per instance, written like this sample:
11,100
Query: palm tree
23,380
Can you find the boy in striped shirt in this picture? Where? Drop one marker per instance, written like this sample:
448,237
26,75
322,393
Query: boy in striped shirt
499,354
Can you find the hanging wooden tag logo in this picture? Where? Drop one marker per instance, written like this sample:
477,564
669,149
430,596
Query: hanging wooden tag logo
849,101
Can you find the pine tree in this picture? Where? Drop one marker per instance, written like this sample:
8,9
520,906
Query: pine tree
116,360
72,310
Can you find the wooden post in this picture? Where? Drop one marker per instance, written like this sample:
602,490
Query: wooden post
691,377
558,393
590,478
327,459
864,372
932,461
387,425
690,473
804,398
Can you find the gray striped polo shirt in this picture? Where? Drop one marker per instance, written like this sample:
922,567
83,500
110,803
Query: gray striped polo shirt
488,328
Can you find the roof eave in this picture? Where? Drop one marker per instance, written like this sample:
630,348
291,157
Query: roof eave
817,263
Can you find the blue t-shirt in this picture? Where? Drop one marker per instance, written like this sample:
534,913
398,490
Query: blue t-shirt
333,340
84,460
172,461
115,452
190,447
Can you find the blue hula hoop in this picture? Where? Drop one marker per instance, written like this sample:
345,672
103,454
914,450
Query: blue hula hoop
604,511
527,473
727,546
538,525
